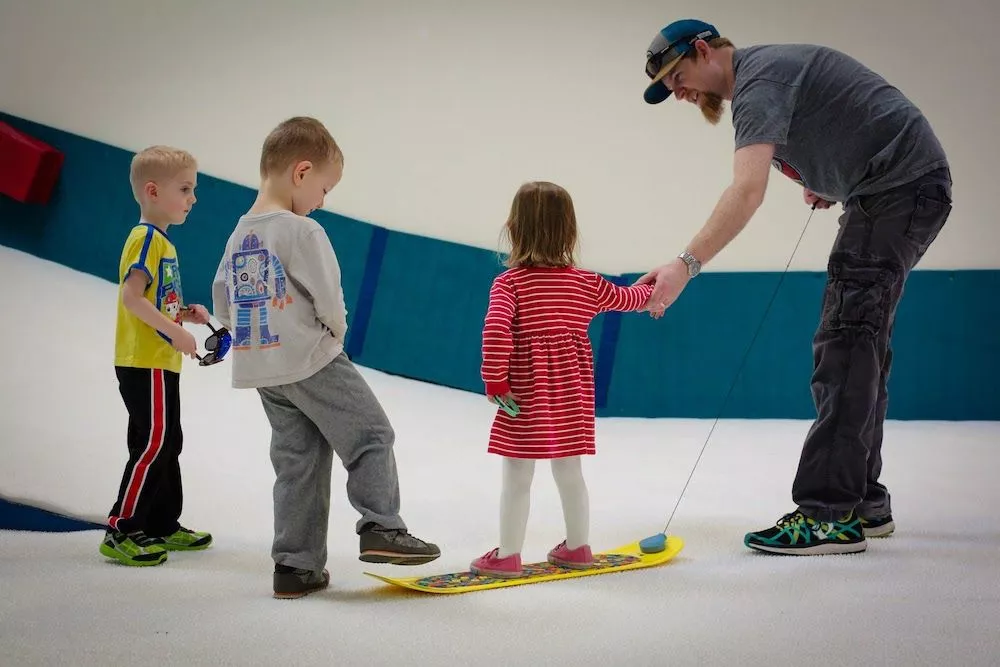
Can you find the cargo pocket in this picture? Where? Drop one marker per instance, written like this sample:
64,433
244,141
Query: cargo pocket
857,298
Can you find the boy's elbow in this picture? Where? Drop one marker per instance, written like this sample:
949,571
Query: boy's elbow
128,299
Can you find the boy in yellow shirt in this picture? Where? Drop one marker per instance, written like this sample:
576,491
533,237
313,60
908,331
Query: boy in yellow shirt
149,341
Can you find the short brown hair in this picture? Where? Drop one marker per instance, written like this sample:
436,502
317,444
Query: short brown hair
158,162
715,43
297,139
541,227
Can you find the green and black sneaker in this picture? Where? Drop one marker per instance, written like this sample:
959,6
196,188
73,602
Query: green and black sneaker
135,549
185,539
798,535
881,527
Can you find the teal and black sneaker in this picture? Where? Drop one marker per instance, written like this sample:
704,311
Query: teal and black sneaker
185,539
881,527
798,535
135,549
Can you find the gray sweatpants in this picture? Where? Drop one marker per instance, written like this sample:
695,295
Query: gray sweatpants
334,411
882,237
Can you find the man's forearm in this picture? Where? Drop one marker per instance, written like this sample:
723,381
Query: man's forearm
732,213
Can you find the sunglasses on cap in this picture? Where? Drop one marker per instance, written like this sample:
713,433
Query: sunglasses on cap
656,61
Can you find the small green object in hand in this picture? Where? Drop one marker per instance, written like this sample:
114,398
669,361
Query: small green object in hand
508,405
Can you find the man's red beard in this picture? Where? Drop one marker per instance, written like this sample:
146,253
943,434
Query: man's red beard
712,107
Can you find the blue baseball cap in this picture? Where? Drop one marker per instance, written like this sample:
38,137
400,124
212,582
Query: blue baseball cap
666,50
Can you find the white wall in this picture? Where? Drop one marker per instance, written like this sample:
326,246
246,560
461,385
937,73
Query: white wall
445,108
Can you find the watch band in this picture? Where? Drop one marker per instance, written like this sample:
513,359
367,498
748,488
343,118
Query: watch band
693,265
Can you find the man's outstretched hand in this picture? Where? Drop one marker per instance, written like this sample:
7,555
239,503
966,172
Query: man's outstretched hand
668,281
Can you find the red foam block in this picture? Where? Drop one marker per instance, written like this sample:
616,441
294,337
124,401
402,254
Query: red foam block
29,168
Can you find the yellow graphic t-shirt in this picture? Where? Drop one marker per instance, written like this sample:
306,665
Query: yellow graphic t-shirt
137,344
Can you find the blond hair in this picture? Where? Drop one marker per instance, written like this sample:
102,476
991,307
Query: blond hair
541,227
297,139
157,163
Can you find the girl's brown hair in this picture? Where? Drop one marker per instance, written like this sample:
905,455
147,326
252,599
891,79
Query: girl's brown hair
541,227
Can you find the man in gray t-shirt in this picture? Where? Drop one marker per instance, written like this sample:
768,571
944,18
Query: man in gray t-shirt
847,136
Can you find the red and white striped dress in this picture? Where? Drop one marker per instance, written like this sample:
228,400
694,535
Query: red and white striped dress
535,345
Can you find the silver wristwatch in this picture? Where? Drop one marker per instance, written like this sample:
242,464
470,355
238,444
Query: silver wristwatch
694,266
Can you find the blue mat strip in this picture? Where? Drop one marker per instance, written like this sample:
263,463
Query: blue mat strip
366,294
17,516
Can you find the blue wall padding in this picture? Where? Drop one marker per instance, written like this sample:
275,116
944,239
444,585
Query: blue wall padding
605,349
427,315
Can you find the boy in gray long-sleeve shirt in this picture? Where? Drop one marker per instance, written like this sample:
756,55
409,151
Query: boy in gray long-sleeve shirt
278,290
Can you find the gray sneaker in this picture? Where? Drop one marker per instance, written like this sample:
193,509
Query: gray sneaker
398,547
291,582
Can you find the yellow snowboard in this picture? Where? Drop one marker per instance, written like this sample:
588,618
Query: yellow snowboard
628,557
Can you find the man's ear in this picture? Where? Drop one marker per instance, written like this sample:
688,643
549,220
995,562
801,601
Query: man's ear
703,49
150,189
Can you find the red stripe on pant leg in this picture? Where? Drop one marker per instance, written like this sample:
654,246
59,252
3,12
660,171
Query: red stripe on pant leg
153,446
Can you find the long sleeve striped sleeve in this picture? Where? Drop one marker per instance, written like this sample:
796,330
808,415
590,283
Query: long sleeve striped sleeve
497,340
624,299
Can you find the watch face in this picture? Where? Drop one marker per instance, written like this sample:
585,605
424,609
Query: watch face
693,265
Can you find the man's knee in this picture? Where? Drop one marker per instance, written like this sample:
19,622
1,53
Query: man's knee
859,295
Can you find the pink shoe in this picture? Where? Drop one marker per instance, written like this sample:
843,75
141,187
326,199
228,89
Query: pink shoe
491,565
578,558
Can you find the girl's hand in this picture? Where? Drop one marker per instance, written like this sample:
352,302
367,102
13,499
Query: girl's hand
509,397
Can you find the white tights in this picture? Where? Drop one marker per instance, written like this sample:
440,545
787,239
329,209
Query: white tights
515,501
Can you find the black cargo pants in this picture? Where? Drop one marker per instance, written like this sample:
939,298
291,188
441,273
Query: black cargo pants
882,237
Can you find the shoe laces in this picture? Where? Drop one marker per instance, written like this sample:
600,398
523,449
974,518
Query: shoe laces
400,536
142,539
797,520
795,523
791,519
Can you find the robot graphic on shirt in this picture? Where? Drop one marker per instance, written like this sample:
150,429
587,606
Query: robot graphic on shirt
251,271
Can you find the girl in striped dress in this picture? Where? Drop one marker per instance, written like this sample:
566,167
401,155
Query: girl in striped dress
536,352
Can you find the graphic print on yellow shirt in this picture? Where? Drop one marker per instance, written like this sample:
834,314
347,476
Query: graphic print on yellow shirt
138,345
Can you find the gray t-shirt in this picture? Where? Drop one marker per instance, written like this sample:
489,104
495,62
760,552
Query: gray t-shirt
838,128
278,291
